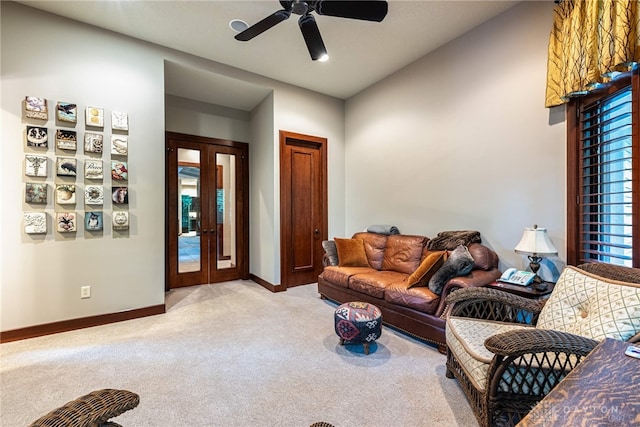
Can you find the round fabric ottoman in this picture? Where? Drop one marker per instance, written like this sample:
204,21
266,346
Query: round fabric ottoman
358,322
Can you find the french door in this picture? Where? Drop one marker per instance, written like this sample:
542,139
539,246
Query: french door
207,210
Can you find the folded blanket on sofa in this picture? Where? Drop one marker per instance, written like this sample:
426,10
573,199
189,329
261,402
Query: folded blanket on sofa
383,229
449,240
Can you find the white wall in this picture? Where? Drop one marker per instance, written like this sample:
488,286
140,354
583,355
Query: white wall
183,115
42,274
63,60
460,139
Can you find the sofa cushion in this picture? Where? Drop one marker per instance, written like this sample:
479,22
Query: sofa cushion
374,282
465,339
374,245
403,253
351,253
427,268
340,275
418,297
585,304
459,263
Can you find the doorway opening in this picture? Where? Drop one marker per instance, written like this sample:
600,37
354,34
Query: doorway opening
207,210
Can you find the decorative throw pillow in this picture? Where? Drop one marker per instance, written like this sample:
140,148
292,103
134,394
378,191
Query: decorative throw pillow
427,268
459,263
351,253
330,249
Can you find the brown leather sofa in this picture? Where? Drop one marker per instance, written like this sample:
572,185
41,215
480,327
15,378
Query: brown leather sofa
414,310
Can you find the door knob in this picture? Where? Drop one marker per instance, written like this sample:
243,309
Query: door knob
205,231
316,231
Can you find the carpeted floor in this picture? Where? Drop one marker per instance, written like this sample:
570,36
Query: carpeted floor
234,354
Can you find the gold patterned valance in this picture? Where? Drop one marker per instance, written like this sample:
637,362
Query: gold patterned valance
589,40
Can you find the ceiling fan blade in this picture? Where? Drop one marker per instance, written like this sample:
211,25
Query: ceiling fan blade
312,37
359,9
262,26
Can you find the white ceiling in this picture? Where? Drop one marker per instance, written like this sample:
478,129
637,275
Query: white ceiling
361,52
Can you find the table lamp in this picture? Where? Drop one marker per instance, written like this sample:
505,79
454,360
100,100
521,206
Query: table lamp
534,243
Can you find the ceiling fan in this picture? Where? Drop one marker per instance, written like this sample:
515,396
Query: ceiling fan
374,10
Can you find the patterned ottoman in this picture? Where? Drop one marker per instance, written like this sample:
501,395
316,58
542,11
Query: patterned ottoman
358,322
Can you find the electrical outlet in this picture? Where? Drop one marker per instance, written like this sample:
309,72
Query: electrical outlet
85,292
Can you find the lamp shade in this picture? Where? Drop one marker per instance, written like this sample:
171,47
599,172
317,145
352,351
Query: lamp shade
536,241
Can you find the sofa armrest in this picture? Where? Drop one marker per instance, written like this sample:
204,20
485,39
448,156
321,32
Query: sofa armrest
475,279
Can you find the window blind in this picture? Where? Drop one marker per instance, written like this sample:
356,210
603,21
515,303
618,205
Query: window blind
605,181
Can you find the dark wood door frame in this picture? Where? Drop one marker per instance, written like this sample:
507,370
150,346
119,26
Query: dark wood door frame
241,150
308,216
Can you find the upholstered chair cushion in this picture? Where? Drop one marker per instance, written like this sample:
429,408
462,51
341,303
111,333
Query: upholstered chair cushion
592,306
465,339
427,268
351,253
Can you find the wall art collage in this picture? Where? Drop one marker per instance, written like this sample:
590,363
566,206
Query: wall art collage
75,179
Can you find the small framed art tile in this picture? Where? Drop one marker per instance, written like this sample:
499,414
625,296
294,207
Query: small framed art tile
120,220
66,222
120,195
93,221
119,145
66,139
119,171
35,192
94,195
37,136
35,223
93,142
119,120
67,112
93,169
94,116
66,166
65,194
35,165
36,108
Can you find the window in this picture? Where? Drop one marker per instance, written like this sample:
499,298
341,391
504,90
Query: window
603,171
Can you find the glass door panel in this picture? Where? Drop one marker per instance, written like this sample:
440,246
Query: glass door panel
189,211
226,210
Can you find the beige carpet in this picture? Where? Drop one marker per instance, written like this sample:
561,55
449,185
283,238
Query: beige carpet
234,354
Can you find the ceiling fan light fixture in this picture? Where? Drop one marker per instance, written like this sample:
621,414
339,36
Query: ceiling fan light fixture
312,38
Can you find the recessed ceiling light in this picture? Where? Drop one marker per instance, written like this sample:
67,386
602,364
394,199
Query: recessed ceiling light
238,25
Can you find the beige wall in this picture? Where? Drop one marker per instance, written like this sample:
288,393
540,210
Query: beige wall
63,60
460,139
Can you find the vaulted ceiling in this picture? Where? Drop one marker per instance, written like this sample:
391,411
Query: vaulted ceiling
361,52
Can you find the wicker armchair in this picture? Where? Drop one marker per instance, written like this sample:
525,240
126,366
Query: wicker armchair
508,352
91,410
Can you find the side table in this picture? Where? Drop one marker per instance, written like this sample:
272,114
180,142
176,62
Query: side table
523,291
602,390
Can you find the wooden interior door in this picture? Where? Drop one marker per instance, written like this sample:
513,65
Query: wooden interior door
303,213
207,230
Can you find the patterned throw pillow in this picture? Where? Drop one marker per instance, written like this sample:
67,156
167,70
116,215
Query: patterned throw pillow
592,306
